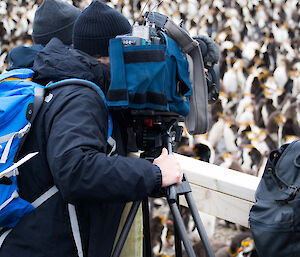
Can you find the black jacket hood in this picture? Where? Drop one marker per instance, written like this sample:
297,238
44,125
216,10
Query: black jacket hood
58,61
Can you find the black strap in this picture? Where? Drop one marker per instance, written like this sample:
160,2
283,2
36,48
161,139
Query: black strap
32,111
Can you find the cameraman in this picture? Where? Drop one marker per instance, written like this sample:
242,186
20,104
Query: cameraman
70,134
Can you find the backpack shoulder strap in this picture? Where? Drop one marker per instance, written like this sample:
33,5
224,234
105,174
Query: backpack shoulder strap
39,94
89,84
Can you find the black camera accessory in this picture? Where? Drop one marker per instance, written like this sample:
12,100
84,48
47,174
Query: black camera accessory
211,54
213,83
209,49
197,119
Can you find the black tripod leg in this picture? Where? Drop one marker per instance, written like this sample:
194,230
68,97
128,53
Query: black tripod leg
130,218
146,227
199,224
178,247
181,229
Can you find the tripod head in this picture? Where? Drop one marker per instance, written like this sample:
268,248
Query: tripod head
155,130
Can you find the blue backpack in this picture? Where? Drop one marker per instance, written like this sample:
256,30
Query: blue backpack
275,217
20,100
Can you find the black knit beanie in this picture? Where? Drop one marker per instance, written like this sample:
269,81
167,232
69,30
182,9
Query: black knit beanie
96,25
54,18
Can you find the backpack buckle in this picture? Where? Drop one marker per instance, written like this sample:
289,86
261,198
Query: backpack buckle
296,189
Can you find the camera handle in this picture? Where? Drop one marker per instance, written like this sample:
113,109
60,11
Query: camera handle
172,195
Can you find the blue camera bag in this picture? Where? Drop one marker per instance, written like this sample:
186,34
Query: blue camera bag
149,77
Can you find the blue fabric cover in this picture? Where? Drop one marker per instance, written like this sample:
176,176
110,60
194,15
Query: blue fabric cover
177,78
144,81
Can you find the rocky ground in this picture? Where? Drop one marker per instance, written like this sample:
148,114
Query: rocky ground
224,232
222,236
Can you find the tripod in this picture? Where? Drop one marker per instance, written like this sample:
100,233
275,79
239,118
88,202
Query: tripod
154,130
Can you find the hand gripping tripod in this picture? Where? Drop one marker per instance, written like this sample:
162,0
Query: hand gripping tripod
154,130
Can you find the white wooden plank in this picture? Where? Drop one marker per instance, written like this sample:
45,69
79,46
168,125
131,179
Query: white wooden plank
227,181
220,205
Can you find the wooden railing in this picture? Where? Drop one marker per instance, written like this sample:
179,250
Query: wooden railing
218,191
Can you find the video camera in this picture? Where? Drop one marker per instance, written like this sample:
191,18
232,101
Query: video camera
160,67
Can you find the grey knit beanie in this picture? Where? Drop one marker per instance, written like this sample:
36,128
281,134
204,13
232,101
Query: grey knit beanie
96,25
54,18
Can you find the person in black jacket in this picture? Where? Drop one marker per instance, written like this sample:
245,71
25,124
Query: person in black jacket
70,134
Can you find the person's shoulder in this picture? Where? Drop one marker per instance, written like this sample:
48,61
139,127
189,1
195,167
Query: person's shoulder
78,87
72,100
86,95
